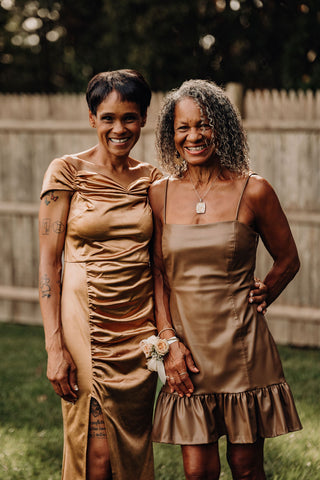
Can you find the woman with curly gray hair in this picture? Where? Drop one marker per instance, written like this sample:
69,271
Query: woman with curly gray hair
223,371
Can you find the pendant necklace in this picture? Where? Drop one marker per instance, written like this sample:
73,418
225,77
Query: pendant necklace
201,205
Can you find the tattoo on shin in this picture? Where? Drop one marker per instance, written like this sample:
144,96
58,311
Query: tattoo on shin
45,288
97,427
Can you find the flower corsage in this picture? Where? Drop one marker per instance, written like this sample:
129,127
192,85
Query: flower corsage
155,348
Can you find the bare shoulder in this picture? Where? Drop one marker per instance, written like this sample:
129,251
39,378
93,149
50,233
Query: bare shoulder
262,198
158,187
259,189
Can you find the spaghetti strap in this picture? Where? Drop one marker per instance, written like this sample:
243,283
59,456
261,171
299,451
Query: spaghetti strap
244,187
165,202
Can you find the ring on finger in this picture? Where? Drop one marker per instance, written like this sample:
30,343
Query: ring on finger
182,374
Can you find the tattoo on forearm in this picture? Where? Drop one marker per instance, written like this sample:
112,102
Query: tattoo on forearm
45,288
46,226
50,197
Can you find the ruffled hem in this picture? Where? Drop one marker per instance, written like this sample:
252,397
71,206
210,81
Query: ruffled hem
243,417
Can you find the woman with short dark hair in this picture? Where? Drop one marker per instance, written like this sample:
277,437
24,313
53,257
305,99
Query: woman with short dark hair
94,208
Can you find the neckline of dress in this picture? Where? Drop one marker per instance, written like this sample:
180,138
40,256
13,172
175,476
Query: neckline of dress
212,224
125,187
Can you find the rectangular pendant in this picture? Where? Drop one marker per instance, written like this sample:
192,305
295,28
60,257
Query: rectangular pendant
201,207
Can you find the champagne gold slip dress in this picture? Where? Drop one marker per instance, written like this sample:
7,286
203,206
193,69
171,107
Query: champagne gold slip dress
240,391
106,310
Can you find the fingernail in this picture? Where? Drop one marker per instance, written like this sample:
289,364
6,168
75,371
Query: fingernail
250,299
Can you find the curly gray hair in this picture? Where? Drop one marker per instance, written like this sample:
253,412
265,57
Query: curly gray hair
223,117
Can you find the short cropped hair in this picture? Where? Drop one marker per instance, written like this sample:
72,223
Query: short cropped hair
130,84
224,119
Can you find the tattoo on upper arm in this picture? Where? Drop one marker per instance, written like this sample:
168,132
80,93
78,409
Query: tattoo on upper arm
45,288
58,227
50,197
46,226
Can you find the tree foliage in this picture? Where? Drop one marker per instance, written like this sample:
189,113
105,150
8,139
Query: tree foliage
56,46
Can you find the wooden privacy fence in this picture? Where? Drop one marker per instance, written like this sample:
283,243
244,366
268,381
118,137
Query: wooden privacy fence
283,133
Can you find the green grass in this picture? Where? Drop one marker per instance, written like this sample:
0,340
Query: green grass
31,425
30,418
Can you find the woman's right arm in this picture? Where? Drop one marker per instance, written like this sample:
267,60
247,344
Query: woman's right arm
53,214
179,359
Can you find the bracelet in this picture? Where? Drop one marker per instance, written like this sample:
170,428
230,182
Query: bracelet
164,329
172,340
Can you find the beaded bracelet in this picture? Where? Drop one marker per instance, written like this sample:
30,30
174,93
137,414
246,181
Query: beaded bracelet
165,329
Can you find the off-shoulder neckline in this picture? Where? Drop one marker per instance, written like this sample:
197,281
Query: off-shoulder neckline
113,180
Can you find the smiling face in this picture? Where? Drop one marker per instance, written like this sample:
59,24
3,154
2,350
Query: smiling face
118,125
192,133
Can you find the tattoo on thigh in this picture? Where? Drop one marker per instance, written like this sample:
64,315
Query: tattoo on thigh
45,286
95,408
97,427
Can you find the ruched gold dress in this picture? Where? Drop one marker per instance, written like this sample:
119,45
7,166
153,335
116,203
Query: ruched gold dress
241,390
107,309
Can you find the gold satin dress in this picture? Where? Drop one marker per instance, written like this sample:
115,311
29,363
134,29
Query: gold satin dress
107,309
241,390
